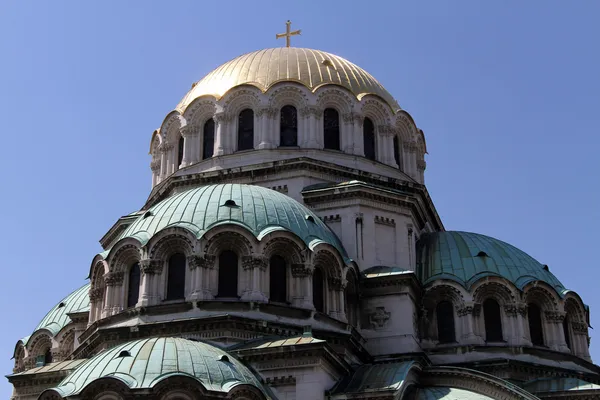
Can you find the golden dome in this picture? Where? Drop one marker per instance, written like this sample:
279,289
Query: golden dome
264,68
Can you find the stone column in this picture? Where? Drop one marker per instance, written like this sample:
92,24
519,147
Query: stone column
254,269
359,145
201,268
96,307
555,338
336,298
385,134
313,116
190,136
221,120
113,303
579,340
155,168
348,134
302,295
266,133
148,294
466,316
164,158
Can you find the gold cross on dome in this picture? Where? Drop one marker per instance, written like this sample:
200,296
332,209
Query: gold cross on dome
288,33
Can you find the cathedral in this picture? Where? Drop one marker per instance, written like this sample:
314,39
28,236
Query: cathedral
289,250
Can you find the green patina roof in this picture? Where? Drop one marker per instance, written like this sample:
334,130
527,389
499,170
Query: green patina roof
447,393
375,377
559,385
258,209
57,318
152,360
456,256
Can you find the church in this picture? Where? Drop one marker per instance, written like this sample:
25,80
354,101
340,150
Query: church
289,250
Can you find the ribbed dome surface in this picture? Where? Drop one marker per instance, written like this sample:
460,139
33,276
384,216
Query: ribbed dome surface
143,363
258,209
311,68
57,318
466,257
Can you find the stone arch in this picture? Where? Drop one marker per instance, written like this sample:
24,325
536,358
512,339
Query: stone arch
37,347
444,291
574,307
171,126
169,241
123,254
541,294
65,342
173,385
105,388
245,392
376,110
240,98
496,288
19,356
284,94
406,127
432,297
331,96
329,262
229,237
284,244
200,110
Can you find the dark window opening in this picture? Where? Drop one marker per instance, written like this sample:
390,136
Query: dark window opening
48,357
566,331
176,277
492,320
309,218
277,279
534,315
124,353
228,274
445,322
208,139
61,305
369,139
397,151
288,126
331,129
318,290
133,286
246,130
180,152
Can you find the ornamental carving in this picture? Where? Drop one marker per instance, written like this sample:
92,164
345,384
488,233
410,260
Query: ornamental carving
386,130
335,283
378,318
155,165
150,266
554,316
96,294
251,262
165,147
311,110
474,309
300,271
188,130
113,278
206,261
222,117
579,327
513,310
351,118
270,112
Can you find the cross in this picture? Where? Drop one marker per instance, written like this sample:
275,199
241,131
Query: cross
288,33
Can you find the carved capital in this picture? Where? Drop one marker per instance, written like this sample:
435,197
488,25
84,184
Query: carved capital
335,283
150,266
353,118
250,262
378,318
165,146
421,165
474,309
579,327
554,316
270,112
155,165
311,111
222,117
113,278
188,131
386,130
96,294
515,309
300,271
206,261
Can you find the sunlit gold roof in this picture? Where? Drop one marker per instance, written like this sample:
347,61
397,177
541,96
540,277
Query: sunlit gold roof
312,68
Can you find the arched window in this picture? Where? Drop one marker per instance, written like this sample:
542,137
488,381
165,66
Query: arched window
318,290
228,274
180,151
48,357
277,279
397,151
246,130
369,139
445,322
566,331
288,126
208,139
331,129
133,285
492,320
534,315
176,277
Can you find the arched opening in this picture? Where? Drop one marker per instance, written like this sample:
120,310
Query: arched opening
180,151
397,151
288,126
566,331
331,129
208,139
492,320
246,130
133,285
228,274
318,290
176,277
44,359
445,322
351,300
277,279
536,331
369,139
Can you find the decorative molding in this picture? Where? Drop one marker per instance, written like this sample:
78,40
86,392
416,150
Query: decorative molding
251,262
150,266
385,221
554,316
378,318
114,278
206,261
300,271
96,294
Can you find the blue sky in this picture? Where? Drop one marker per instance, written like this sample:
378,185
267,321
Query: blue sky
507,93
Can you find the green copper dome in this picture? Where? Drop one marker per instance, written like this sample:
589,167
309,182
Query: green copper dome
57,318
467,257
258,209
141,364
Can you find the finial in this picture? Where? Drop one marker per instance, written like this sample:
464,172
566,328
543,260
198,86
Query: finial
288,33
